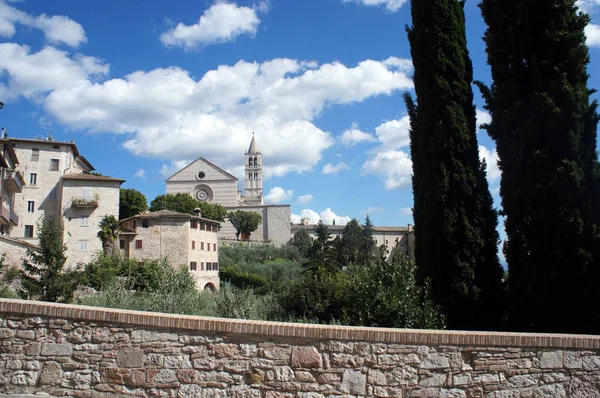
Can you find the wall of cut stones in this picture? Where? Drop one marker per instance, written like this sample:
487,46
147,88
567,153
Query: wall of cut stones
65,357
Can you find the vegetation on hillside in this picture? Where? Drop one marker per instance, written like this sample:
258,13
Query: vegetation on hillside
131,202
184,203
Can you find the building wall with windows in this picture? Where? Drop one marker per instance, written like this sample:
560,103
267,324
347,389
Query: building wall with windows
182,239
85,201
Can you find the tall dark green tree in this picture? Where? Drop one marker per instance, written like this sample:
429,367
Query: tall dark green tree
42,274
455,248
545,128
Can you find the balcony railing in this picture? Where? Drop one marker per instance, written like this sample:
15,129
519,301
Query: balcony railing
14,181
8,216
83,202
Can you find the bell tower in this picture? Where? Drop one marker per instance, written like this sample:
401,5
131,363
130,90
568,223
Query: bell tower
254,187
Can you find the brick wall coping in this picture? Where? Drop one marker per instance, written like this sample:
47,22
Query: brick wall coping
294,330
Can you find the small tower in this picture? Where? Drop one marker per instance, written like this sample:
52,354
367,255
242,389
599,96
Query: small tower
254,188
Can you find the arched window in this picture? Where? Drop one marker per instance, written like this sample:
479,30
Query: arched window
255,162
250,162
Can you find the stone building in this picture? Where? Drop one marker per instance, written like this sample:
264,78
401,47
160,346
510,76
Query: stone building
395,238
183,239
58,185
208,182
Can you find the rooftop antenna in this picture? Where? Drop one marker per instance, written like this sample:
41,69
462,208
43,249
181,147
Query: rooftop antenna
48,134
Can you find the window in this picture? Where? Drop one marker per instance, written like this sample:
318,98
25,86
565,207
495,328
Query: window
145,223
138,244
122,244
214,247
32,178
208,267
84,221
35,154
202,266
83,245
194,224
207,246
201,175
193,244
201,245
86,193
29,231
55,147
30,206
53,164
192,266
215,266
52,195
202,226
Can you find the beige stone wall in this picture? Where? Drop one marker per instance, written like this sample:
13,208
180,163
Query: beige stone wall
15,252
63,350
81,225
275,226
47,180
171,238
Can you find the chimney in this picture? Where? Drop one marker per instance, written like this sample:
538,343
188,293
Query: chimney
305,221
198,212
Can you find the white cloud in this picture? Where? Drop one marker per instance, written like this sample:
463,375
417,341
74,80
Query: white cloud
406,211
592,32
141,173
167,170
588,6
56,28
60,71
395,167
278,195
354,136
483,117
221,23
334,169
393,134
304,199
327,216
391,5
167,113
372,210
491,158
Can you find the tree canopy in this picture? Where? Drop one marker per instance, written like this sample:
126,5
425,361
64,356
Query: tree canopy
184,203
244,222
131,202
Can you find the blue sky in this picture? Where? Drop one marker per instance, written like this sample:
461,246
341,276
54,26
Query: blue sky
145,87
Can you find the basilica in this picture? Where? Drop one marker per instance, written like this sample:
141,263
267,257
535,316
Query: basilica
208,182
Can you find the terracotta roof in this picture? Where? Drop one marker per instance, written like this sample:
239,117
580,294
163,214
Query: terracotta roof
90,177
169,213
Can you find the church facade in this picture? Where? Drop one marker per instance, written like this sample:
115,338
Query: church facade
207,182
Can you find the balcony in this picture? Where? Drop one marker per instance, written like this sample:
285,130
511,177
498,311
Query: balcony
84,202
8,216
13,180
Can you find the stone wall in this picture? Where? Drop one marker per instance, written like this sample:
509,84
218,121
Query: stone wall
89,352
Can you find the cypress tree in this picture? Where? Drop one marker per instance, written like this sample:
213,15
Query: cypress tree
545,126
455,238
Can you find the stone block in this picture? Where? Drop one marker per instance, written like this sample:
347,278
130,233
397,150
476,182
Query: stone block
6,333
435,361
130,357
51,374
25,334
190,391
551,360
57,349
177,362
306,357
354,382
24,378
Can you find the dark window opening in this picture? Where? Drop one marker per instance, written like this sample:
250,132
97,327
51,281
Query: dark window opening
122,244
145,223
192,266
29,231
138,244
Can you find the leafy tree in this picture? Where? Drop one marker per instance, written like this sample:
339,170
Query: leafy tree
322,253
453,242
244,222
108,233
545,128
42,274
302,241
184,203
180,202
131,202
213,211
350,245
